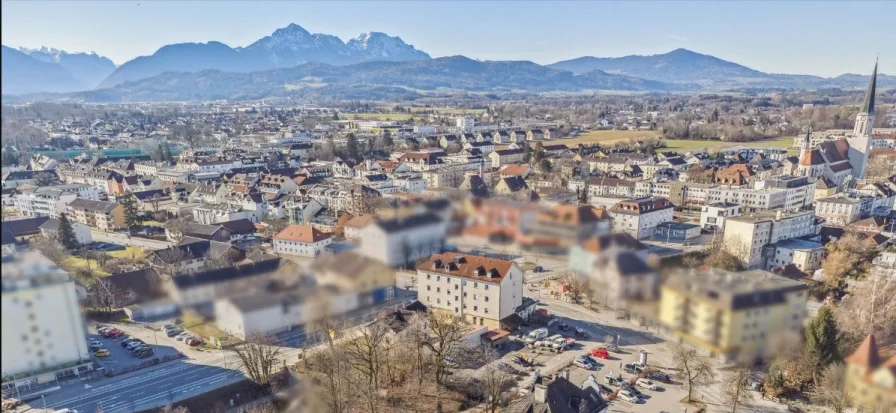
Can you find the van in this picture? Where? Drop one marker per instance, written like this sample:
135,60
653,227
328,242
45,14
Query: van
557,340
536,335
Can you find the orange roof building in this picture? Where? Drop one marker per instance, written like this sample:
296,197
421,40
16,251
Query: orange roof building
302,240
871,381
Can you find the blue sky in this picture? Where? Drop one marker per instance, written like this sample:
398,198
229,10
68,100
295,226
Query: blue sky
822,38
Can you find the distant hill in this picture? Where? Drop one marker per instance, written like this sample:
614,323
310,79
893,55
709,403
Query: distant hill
286,47
685,66
373,80
24,74
87,68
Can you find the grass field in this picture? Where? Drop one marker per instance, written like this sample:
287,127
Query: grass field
129,252
379,116
607,137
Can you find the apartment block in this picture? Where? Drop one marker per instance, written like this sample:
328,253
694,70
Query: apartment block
746,235
102,215
483,291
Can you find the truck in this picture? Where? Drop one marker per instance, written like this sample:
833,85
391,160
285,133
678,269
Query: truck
536,335
560,343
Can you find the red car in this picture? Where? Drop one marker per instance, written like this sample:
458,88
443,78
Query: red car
111,332
193,342
600,352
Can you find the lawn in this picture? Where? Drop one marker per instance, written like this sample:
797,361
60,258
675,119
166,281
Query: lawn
73,263
129,252
613,136
378,116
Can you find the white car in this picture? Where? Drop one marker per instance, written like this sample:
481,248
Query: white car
647,384
584,362
628,396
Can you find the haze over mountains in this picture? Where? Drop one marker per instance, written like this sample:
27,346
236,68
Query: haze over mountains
293,61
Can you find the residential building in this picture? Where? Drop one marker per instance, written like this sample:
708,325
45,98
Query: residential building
50,229
102,215
372,280
746,235
804,255
558,395
503,157
842,210
43,329
465,124
713,216
43,202
303,240
201,289
209,214
481,290
620,278
732,315
582,258
404,239
871,380
563,226
640,216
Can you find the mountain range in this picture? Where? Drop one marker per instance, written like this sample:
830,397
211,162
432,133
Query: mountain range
292,61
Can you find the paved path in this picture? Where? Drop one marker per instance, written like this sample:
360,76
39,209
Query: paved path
124,239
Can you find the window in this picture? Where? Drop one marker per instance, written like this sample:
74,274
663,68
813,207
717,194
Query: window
475,308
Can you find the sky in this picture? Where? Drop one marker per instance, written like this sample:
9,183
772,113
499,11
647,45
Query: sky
826,38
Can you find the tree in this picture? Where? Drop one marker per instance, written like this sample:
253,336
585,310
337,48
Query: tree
176,228
259,357
66,234
695,371
527,153
821,340
44,179
847,258
106,297
831,389
50,248
368,354
172,409
131,214
352,148
736,387
444,337
870,309
388,143
495,382
576,286
168,156
546,165
791,369
169,260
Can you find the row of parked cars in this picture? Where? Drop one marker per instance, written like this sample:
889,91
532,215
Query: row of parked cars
180,335
135,346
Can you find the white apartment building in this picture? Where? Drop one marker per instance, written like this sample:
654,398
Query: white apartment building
483,291
42,322
43,202
465,124
805,255
208,214
839,210
639,217
302,240
713,216
403,240
747,235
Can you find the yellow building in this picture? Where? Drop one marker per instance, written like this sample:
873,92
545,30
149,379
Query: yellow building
870,381
732,315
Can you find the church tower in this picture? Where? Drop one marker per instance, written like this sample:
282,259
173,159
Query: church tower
860,141
804,147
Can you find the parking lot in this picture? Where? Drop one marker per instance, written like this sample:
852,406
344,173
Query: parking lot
121,360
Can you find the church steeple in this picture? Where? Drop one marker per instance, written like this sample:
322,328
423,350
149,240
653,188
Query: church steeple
804,148
868,105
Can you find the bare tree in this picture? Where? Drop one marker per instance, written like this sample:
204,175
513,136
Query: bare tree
443,336
495,382
576,285
106,296
329,374
259,356
736,387
367,355
695,370
154,203
848,257
870,309
50,248
831,389
176,228
174,409
169,260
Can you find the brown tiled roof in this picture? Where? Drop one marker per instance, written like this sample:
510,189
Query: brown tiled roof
301,233
463,265
867,355
812,158
360,221
515,170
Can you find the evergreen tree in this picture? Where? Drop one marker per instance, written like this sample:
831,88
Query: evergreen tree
387,140
335,116
821,339
527,153
131,215
66,234
351,146
331,146
546,166
168,156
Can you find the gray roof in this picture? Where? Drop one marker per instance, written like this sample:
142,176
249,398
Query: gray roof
95,206
735,290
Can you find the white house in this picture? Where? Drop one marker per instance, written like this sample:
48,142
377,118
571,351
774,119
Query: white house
303,240
482,290
713,216
402,240
50,229
40,308
640,216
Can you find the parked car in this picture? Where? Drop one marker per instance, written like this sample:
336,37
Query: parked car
133,345
647,384
628,396
103,329
581,333
96,346
128,341
562,326
538,268
117,334
614,379
145,353
611,347
584,362
601,353
101,353
660,377
450,362
173,332
193,341
167,327
183,336
633,368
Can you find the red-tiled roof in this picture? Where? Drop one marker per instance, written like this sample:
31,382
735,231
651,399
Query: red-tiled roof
463,265
301,233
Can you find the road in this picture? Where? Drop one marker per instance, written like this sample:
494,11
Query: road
124,239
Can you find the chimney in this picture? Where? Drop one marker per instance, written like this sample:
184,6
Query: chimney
540,392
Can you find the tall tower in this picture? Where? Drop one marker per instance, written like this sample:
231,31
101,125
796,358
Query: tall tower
804,147
860,141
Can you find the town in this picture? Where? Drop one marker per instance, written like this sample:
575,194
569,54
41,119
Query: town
686,251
